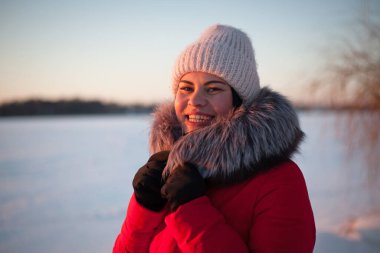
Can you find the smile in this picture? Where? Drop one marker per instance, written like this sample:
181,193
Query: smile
198,118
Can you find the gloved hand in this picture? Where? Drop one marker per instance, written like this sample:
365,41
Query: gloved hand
183,185
148,181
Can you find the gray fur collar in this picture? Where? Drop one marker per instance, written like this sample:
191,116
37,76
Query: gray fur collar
235,147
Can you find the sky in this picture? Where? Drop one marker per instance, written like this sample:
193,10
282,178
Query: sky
124,51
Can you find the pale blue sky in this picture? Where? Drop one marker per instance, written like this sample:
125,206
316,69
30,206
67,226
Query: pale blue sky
124,51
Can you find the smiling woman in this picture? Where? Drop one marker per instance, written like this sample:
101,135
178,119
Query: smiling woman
220,178
200,98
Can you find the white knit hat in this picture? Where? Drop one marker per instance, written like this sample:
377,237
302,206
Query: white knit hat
226,52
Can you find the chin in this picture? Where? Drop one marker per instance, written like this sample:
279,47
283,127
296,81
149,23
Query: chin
193,127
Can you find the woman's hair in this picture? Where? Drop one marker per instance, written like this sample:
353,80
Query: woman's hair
236,100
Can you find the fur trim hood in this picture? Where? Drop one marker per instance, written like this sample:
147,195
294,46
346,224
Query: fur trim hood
235,147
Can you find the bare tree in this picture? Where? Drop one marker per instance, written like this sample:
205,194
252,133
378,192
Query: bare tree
352,78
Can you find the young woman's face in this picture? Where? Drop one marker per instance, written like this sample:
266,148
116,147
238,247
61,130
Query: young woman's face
200,98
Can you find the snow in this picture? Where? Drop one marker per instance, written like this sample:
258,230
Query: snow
65,183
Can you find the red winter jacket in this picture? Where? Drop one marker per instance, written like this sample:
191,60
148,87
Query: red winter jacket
269,213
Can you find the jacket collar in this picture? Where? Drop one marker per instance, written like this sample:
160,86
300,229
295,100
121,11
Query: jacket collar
235,147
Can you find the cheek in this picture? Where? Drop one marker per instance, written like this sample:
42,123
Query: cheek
223,105
179,106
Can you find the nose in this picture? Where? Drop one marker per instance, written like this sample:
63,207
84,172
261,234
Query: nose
197,98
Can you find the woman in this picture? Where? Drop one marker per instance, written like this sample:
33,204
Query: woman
220,178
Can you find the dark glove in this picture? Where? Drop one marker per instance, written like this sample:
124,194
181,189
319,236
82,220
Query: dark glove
183,185
148,181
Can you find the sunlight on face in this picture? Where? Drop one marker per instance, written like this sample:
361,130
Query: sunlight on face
200,98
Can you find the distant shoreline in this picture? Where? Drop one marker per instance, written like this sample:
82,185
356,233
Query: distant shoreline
37,107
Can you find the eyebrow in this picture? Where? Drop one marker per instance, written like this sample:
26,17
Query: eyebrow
206,83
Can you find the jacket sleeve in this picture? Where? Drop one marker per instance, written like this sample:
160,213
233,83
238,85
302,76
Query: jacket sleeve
139,227
199,227
283,220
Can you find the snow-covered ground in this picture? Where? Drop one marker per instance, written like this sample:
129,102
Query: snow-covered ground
346,207
65,183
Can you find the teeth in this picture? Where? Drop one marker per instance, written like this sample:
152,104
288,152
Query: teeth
198,118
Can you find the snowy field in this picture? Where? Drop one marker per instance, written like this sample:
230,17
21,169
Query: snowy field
65,183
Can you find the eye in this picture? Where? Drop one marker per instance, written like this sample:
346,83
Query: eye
213,90
185,89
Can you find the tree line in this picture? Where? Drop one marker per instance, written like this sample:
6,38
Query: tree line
35,107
